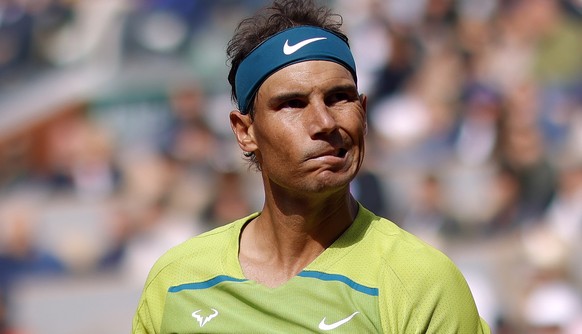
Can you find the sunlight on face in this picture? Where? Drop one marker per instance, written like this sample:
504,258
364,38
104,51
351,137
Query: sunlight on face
309,127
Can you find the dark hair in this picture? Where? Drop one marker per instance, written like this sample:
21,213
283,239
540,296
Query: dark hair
281,15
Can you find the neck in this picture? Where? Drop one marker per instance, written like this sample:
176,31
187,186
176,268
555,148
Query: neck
289,234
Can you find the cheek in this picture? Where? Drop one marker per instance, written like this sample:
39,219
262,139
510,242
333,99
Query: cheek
274,144
357,128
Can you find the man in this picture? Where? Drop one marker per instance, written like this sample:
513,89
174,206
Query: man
313,259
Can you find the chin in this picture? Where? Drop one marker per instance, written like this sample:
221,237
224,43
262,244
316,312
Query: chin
330,183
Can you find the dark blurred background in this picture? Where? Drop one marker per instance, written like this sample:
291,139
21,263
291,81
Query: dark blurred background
115,146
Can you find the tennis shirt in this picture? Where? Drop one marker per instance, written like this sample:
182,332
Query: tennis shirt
375,278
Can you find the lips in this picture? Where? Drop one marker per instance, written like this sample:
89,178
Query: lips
332,152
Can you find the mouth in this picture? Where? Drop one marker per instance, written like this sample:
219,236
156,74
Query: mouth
335,153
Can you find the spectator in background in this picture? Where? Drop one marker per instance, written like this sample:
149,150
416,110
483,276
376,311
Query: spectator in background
507,211
401,62
478,125
229,200
551,301
21,258
187,138
16,38
369,190
553,306
521,150
564,213
154,213
19,250
82,159
428,215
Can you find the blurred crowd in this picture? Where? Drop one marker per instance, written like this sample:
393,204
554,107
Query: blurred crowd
474,143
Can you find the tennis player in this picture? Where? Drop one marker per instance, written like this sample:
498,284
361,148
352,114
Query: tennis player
313,260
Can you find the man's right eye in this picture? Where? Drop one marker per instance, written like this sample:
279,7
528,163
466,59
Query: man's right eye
292,104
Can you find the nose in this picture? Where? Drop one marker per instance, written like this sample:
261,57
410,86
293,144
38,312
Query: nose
320,120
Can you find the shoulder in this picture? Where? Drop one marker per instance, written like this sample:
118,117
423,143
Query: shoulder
412,262
198,246
198,254
194,260
406,262
401,250
421,283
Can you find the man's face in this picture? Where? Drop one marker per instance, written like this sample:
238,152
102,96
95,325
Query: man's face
309,127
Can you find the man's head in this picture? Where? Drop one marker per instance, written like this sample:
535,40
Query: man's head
280,16
299,111
290,46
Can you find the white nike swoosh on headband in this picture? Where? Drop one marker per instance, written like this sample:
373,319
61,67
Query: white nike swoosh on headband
291,49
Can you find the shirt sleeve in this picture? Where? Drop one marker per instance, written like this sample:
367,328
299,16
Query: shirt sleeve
150,310
427,293
142,323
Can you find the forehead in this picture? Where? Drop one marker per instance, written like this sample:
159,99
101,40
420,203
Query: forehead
308,75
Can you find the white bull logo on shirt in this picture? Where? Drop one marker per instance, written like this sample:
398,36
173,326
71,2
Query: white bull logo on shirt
203,320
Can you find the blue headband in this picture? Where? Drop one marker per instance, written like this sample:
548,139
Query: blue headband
288,47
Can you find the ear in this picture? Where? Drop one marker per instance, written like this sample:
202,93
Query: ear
242,127
364,102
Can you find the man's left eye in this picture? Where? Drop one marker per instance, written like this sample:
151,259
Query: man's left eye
339,97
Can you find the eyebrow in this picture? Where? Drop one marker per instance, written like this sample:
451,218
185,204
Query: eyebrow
343,88
286,96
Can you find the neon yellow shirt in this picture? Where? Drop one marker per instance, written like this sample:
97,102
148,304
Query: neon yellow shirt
375,278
